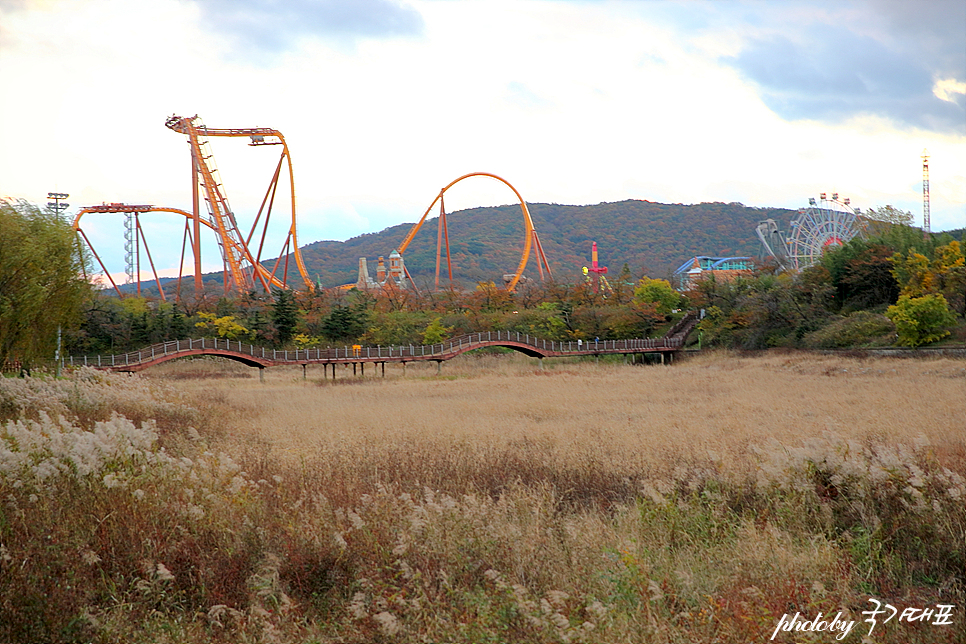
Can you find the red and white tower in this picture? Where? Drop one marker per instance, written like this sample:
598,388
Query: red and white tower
925,193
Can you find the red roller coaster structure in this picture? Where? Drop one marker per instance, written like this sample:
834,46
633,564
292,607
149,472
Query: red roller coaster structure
241,254
531,240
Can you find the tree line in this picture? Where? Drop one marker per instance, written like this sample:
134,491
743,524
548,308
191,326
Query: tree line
893,285
634,308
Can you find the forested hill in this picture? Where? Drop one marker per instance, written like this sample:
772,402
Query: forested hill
651,238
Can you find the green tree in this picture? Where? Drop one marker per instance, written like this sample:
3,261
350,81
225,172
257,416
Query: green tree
285,315
345,323
623,285
861,272
435,332
657,292
42,287
921,320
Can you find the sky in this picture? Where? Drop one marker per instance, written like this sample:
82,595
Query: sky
385,102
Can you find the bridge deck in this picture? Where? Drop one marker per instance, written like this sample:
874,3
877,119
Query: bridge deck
262,357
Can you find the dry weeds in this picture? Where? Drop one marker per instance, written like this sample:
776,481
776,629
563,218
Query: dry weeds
629,418
494,503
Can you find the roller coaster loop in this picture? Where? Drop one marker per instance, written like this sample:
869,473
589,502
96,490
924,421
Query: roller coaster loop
531,240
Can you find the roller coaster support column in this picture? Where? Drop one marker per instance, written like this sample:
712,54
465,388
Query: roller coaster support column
196,225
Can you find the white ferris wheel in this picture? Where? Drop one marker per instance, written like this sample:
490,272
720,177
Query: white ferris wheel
825,223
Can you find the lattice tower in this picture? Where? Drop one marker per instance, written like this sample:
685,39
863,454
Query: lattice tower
925,193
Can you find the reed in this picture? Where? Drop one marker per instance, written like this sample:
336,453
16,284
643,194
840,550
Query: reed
497,502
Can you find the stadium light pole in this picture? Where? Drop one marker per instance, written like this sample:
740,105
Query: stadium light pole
58,208
55,205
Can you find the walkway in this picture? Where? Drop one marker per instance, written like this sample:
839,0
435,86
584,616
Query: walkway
262,358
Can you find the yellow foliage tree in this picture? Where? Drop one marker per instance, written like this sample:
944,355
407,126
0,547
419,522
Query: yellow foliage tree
225,327
944,275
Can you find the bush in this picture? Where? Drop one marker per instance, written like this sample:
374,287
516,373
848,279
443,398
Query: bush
921,320
862,328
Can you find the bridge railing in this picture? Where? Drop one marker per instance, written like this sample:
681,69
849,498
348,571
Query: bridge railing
358,352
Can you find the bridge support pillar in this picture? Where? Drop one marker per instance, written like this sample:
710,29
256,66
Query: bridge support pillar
540,362
303,371
597,359
439,367
404,369
354,368
383,365
362,369
261,374
662,357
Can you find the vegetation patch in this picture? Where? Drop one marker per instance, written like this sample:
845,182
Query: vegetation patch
503,507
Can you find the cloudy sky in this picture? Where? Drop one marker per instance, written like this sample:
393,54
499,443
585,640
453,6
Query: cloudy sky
384,102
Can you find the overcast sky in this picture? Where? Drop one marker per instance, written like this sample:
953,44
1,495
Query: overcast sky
383,102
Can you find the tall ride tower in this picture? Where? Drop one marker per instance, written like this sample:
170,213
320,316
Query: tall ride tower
925,193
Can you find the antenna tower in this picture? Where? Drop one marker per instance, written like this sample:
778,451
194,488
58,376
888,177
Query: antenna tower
925,193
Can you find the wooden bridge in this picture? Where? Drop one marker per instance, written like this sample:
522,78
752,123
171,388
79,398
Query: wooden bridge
263,358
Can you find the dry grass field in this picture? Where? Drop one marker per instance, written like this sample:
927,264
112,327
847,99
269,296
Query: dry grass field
629,421
495,502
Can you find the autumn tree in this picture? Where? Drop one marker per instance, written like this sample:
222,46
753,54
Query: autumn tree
658,292
890,215
225,326
921,320
944,274
436,332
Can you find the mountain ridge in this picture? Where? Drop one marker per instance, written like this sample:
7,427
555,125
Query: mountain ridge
651,238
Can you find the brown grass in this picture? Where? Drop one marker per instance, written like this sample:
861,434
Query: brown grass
629,418
501,503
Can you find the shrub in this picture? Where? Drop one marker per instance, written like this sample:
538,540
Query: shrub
921,320
862,328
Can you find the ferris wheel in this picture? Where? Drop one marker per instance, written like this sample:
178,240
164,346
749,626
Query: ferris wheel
825,223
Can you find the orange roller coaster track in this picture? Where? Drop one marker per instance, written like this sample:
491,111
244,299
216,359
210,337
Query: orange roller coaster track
244,268
139,240
531,240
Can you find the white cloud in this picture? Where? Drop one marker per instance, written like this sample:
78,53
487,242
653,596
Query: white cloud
945,89
570,102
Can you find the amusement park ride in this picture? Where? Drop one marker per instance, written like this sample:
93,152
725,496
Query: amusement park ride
600,284
259,256
826,223
531,240
247,259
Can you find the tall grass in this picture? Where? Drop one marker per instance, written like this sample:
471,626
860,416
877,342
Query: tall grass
498,502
